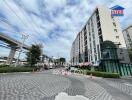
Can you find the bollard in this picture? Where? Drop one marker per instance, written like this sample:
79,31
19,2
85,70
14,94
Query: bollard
33,70
65,73
91,75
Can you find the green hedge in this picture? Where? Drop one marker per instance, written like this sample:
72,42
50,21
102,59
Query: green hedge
99,74
15,69
4,65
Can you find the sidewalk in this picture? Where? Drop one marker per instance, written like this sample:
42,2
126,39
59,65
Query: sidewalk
13,73
86,76
126,77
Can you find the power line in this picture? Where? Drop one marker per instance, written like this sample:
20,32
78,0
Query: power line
34,27
8,25
35,24
14,12
5,21
1,42
5,46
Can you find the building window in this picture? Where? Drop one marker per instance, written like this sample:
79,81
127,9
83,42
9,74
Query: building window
95,57
90,46
86,42
128,35
112,18
89,38
130,44
97,15
91,22
115,30
98,25
99,31
85,37
97,12
94,43
101,39
117,37
114,24
129,40
123,59
98,51
89,34
93,36
94,50
91,58
92,29
89,27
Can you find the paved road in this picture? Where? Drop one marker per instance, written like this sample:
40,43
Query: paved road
46,85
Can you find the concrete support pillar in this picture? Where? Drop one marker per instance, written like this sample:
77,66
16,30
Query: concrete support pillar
11,55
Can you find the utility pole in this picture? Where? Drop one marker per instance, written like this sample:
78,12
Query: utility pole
24,37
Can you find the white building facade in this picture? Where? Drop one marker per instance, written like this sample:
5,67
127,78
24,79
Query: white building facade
128,36
101,26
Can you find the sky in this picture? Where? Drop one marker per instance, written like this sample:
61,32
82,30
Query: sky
53,23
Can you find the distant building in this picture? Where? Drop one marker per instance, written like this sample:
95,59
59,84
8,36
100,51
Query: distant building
128,36
87,47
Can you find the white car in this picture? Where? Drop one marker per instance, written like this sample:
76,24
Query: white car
50,67
73,69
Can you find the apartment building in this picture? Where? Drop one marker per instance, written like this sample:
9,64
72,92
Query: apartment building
128,36
100,27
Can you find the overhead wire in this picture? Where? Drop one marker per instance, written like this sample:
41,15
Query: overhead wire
14,12
34,26
9,47
24,23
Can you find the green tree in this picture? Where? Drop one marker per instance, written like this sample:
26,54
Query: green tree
109,50
62,60
33,56
57,61
107,44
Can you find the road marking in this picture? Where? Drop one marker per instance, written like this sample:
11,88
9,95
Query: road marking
65,96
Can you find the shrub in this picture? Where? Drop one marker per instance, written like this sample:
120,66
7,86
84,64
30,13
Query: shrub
4,65
15,69
72,71
104,74
76,71
100,74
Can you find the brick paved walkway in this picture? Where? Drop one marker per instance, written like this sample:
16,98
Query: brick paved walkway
46,85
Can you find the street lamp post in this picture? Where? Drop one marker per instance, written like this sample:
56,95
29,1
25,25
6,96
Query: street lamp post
24,37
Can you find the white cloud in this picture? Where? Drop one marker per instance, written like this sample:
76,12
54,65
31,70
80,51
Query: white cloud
30,5
6,26
4,52
50,6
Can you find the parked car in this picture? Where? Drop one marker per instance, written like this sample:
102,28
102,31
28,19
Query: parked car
72,69
67,68
50,66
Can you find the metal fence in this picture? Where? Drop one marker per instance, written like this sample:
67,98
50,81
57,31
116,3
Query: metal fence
114,66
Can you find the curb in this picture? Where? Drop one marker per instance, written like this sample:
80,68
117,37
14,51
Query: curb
15,73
